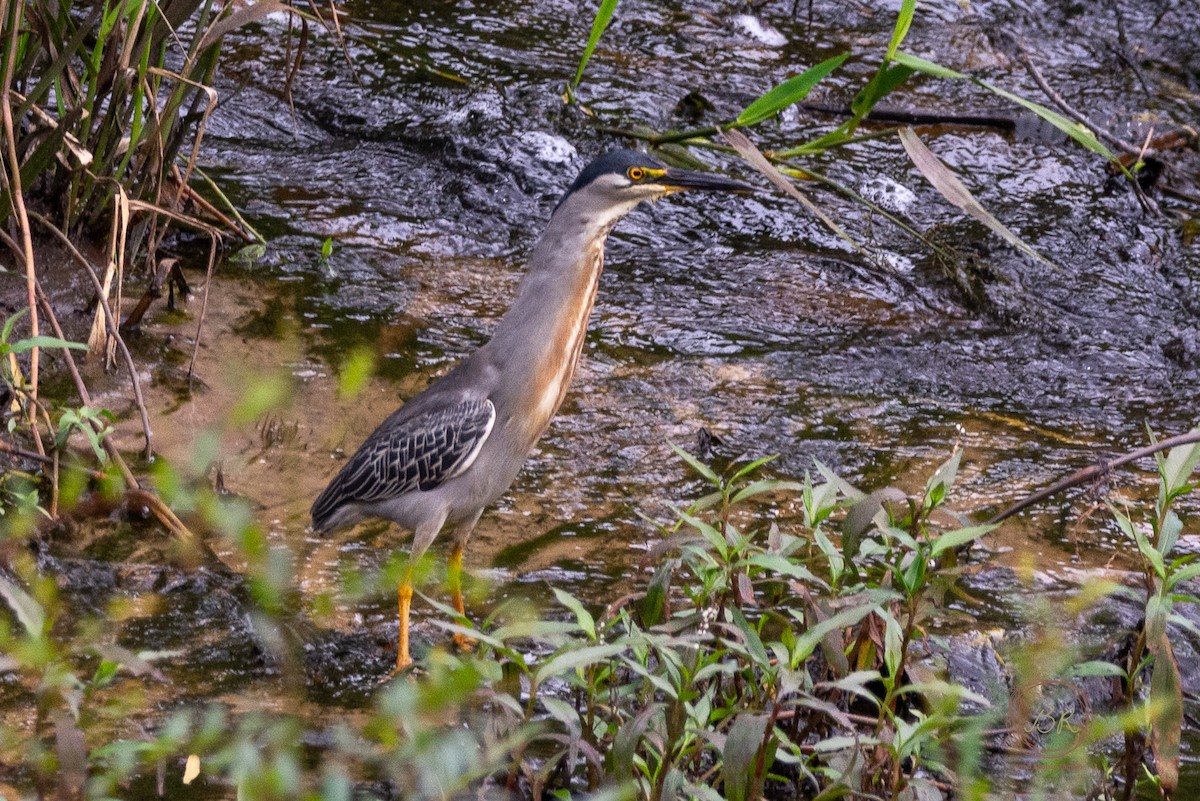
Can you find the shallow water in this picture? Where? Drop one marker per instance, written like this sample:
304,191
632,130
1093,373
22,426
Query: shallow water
434,171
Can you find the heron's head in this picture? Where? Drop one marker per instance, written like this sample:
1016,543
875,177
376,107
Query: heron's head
617,181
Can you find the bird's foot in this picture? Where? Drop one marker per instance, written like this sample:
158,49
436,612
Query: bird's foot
409,671
463,643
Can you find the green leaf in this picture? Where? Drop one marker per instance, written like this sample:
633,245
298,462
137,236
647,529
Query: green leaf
749,468
766,485
893,642
1168,533
1158,612
837,563
886,80
953,539
628,737
563,712
862,514
697,465
603,17
571,660
1071,128
265,394
791,91
783,566
753,642
1179,465
919,64
654,605
807,642
1183,574
10,322
709,533
951,188
1147,550
738,769
1095,667
23,345
583,616
659,682
903,23
106,671
1166,707
356,371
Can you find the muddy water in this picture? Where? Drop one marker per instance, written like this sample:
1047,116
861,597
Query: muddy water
433,165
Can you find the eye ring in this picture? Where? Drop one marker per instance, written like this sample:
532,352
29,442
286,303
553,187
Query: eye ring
636,173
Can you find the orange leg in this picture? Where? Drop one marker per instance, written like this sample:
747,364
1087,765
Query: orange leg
454,579
405,594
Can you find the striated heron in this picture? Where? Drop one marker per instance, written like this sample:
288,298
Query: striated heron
444,456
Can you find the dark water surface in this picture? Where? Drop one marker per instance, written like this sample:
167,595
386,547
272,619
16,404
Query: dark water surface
435,170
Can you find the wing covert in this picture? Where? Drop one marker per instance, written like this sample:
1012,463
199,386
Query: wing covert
417,453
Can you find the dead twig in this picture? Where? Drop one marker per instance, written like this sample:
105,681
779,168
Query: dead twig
80,387
212,261
112,327
49,461
18,201
192,196
134,495
152,293
148,499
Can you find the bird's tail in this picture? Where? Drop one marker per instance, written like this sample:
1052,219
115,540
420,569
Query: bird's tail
324,511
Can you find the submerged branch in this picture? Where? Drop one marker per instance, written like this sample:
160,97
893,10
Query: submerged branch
1096,471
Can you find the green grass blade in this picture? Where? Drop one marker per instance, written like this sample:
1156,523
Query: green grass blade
54,72
928,67
23,345
793,90
903,23
1071,128
886,80
603,17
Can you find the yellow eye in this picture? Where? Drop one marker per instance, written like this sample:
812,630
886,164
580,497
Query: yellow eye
636,173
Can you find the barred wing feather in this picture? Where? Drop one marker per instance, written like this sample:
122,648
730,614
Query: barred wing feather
418,453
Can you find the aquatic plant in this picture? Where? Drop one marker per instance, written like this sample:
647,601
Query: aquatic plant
781,648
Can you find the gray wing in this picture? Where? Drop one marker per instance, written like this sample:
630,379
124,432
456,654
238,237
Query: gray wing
415,453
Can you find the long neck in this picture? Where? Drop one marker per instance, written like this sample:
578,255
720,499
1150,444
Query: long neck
540,337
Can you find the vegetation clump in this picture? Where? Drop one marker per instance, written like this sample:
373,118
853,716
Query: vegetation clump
766,657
